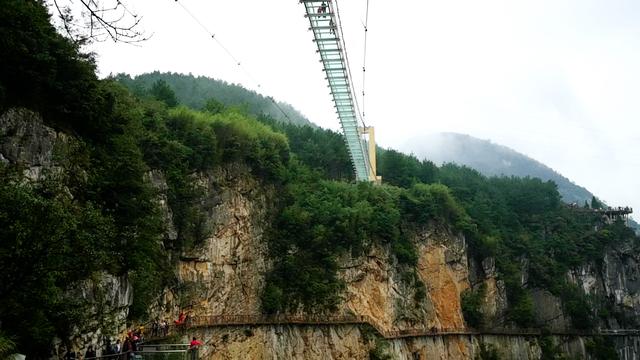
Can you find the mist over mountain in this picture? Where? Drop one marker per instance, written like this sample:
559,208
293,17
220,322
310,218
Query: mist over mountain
491,160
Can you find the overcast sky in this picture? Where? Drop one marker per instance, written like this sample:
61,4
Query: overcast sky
556,80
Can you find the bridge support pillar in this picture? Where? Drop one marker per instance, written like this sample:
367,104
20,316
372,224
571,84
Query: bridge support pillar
371,141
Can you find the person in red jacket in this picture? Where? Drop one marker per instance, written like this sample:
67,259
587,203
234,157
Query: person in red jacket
181,318
193,347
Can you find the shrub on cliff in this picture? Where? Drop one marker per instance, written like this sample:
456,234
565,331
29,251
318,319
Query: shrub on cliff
48,241
601,348
323,220
487,352
7,346
471,301
380,351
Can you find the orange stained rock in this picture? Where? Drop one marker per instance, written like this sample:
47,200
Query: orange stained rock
372,296
444,285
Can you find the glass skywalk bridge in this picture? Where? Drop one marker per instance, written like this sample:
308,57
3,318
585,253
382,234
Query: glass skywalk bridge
327,35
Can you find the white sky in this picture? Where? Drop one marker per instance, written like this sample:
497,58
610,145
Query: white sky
558,80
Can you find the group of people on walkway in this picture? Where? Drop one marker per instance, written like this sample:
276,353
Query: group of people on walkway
125,350
159,328
113,351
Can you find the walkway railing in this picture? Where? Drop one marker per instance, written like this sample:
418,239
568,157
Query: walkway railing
257,320
167,352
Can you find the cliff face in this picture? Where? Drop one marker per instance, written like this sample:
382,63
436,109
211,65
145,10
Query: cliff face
225,275
375,287
616,278
349,342
25,140
111,297
40,151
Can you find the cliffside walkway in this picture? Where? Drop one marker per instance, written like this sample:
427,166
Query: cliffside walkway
609,214
609,211
317,320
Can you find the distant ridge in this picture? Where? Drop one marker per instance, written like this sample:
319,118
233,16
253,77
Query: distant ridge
194,91
494,160
491,160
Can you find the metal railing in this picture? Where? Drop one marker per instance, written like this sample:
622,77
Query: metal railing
118,356
249,320
167,352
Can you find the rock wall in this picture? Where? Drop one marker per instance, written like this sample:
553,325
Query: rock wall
228,271
225,275
26,141
40,151
465,347
283,343
375,287
616,278
353,342
110,296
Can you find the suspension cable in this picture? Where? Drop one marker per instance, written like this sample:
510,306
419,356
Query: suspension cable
344,47
364,59
235,60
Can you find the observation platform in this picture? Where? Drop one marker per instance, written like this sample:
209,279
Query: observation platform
609,214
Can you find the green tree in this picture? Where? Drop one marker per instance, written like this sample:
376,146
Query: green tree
48,242
471,303
272,299
595,203
7,346
487,352
601,348
194,92
162,91
214,106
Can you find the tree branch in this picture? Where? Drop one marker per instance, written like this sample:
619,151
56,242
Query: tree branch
115,22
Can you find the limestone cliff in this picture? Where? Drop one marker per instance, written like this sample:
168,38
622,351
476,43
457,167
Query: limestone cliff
225,275
374,287
228,271
26,141
41,151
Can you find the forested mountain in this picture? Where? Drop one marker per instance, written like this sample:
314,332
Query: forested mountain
491,160
195,91
494,160
79,198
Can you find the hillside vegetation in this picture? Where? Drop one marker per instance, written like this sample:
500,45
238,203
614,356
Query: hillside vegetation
491,160
99,213
196,91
